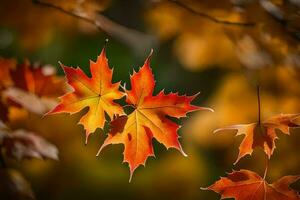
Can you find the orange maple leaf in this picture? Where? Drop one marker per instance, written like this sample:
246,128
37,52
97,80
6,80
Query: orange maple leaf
32,87
38,80
98,93
21,143
246,185
148,120
262,134
6,65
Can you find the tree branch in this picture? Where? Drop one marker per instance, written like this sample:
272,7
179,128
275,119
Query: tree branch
137,41
211,18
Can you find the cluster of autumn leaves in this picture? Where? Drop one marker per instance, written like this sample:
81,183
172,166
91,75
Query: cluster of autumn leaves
268,38
136,129
246,184
150,116
24,89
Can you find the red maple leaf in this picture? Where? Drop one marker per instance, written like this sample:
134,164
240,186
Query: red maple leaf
248,185
97,93
262,134
149,119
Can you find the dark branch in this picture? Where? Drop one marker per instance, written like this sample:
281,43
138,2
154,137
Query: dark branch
43,3
138,41
211,18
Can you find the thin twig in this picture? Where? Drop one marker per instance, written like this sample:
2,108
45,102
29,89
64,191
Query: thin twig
138,41
211,18
258,103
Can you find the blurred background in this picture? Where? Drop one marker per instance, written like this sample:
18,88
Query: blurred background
222,49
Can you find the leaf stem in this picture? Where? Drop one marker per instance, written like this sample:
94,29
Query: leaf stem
266,169
258,103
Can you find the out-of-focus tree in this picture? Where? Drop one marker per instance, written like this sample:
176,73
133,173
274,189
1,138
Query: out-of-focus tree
24,89
235,33
70,16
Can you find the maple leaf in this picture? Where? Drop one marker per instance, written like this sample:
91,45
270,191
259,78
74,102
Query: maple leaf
98,93
38,80
25,85
26,100
6,65
245,185
21,144
148,120
262,134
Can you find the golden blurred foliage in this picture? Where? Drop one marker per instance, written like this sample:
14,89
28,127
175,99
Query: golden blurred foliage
236,102
266,53
212,33
37,24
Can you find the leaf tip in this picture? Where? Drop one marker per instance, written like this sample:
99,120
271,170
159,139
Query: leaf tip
86,140
130,178
149,57
50,112
131,174
61,65
99,151
195,95
151,52
207,109
182,152
204,188
237,160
